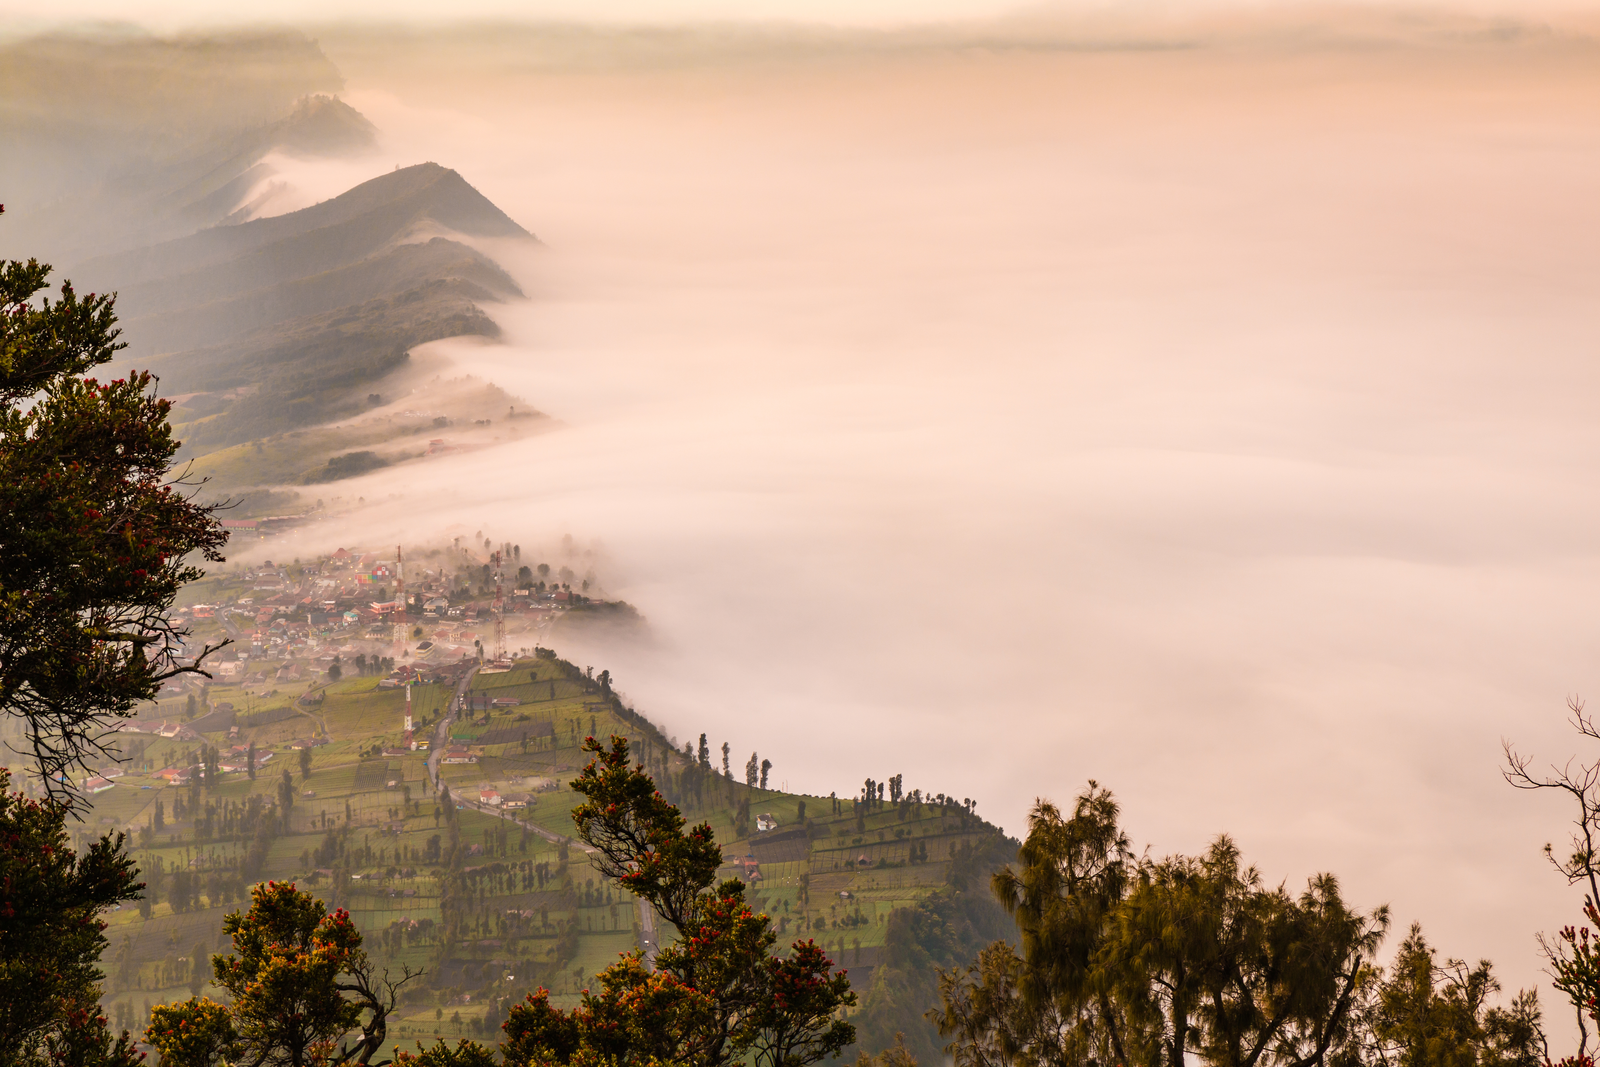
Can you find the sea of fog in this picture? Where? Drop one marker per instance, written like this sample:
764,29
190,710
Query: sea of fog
1215,422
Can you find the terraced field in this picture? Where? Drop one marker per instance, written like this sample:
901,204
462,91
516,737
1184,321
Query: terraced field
489,903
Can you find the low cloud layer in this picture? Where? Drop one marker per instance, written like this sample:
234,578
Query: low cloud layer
1216,423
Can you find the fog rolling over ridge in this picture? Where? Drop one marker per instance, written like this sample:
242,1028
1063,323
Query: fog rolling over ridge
1216,422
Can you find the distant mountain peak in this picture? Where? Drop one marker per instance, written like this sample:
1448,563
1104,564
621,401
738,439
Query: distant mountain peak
351,226
422,191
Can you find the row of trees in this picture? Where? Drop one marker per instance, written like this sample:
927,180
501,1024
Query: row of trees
376,665
756,770
1130,960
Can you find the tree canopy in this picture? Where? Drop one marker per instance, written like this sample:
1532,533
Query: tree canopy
51,936
1158,963
96,533
302,992
717,995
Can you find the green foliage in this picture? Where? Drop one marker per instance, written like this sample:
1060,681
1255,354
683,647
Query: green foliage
1151,961
300,986
1201,950
716,995
50,936
465,1054
896,1055
638,1016
285,976
941,932
94,536
196,1033
640,837
1427,1014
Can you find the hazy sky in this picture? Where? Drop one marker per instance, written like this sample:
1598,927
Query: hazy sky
24,15
1217,423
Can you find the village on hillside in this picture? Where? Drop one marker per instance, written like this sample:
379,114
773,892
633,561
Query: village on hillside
290,630
396,734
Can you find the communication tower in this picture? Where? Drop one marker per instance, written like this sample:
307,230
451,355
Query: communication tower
499,612
409,743
400,635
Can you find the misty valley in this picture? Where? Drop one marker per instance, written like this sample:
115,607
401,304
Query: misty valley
425,642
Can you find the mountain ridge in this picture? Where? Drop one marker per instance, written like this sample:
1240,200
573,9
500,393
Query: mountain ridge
346,227
279,324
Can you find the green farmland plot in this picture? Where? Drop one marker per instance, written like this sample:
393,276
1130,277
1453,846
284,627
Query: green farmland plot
488,904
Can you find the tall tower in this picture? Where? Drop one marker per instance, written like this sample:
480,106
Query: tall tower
400,609
410,744
499,611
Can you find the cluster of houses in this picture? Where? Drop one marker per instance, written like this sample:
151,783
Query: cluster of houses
491,797
301,621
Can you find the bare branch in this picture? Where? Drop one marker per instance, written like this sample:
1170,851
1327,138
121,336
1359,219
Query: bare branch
1582,784
379,996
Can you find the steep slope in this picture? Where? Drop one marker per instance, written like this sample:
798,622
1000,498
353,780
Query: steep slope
169,320
890,889
137,164
210,186
226,260
281,323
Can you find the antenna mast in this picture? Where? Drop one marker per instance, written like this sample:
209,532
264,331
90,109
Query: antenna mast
400,598
409,743
499,612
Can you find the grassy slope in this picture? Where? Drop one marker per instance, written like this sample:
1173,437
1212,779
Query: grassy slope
398,436
802,894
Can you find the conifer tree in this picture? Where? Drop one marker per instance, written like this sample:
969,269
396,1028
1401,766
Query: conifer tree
1159,961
